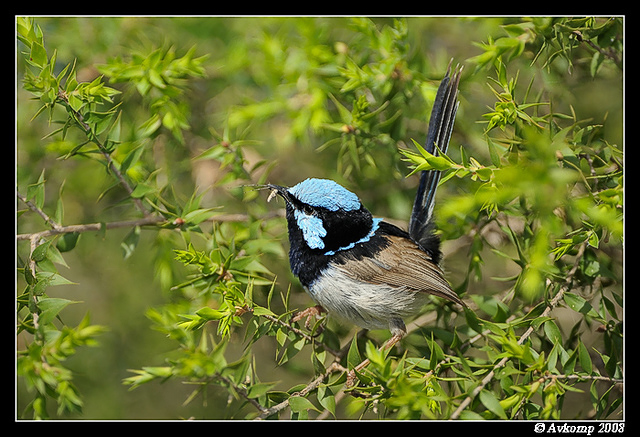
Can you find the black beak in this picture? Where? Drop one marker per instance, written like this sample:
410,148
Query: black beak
277,189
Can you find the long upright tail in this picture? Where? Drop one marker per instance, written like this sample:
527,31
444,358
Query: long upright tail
441,122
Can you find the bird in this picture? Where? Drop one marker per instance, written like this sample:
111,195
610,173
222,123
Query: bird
361,268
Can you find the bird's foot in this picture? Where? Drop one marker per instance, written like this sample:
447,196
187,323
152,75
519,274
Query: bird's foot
309,314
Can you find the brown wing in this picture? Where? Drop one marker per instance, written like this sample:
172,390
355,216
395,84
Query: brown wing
403,264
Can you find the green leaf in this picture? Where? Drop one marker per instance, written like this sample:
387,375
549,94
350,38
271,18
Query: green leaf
511,401
35,192
38,55
50,307
141,190
198,215
147,374
40,252
262,311
579,304
150,126
353,356
51,279
132,158
209,313
493,153
58,216
472,320
552,332
432,162
75,101
130,242
327,399
585,359
437,354
67,241
259,389
489,400
298,404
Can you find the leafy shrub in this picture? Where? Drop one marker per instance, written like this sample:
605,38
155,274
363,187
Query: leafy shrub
173,143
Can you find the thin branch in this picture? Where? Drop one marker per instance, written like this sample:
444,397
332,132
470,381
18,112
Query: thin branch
307,337
92,227
334,367
33,207
580,378
32,296
64,100
607,53
242,392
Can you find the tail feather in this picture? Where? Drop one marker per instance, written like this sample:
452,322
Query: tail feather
441,123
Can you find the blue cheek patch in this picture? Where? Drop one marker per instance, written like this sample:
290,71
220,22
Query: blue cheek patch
312,229
325,193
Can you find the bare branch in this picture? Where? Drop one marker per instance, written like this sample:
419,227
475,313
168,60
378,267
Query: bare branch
92,227
334,367
64,100
33,207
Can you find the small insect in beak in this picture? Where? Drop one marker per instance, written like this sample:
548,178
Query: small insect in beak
275,190
272,194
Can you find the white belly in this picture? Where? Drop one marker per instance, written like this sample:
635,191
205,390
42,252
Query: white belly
366,305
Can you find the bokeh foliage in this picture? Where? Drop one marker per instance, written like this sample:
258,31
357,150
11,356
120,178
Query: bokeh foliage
157,131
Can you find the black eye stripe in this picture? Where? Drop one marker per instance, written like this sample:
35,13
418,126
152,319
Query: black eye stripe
304,207
297,204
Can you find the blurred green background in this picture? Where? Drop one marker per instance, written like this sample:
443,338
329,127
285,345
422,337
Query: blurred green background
254,59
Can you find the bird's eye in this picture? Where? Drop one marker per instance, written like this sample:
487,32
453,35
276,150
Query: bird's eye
302,207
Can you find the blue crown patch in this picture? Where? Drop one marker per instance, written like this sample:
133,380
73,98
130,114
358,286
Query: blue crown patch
325,193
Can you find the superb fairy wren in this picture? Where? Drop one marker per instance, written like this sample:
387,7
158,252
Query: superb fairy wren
363,269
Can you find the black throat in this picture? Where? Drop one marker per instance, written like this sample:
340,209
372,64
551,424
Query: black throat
343,229
308,264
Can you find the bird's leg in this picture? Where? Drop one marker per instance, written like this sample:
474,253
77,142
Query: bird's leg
397,328
308,313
